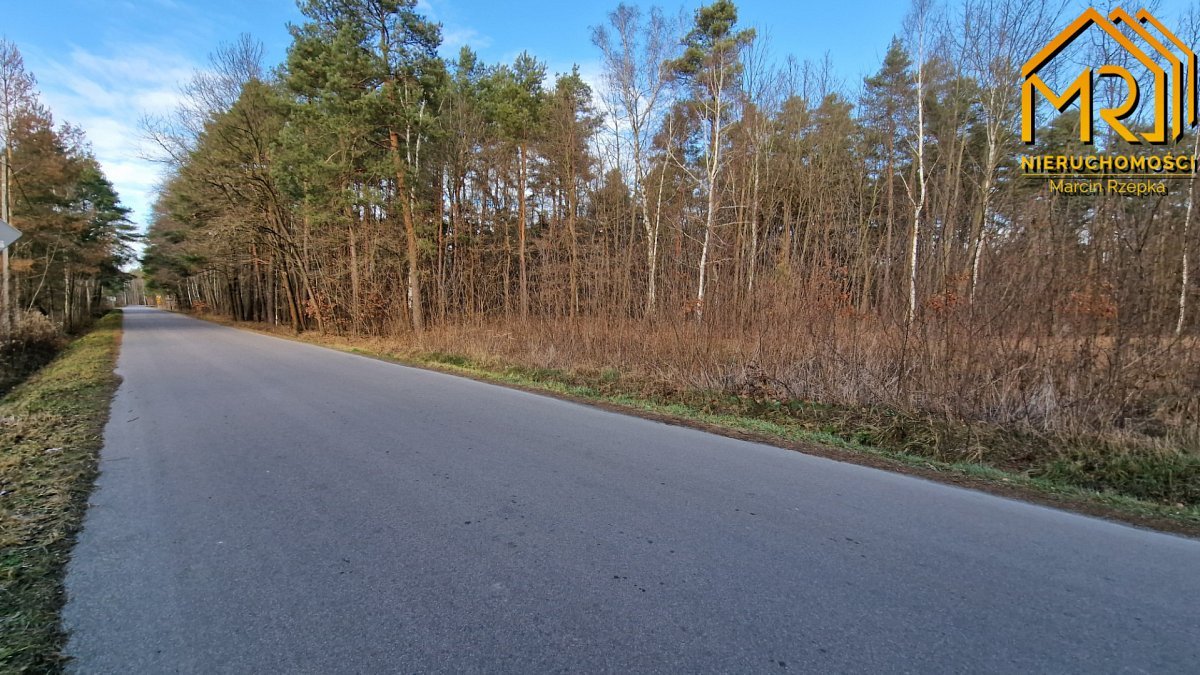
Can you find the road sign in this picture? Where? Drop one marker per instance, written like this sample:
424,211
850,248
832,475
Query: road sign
8,234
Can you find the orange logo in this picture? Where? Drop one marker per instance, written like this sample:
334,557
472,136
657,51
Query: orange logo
1178,78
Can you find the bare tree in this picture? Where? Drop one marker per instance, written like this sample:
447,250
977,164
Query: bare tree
917,27
637,72
16,96
993,39
711,64
1190,34
761,85
210,92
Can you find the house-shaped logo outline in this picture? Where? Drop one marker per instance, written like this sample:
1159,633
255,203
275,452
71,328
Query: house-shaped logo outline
1081,87
1193,78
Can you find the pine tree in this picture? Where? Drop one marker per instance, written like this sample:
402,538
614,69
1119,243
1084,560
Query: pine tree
709,66
396,49
516,103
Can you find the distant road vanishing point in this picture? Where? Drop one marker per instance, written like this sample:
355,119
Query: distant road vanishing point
271,506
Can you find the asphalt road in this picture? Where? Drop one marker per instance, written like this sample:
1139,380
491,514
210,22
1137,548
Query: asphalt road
266,506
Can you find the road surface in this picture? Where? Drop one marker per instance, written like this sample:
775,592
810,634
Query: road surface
270,506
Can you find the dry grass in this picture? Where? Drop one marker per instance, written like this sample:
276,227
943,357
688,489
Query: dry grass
51,428
33,343
1060,384
1120,417
1102,425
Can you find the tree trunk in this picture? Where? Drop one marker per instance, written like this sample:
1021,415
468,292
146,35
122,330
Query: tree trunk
710,218
6,303
521,227
1184,244
572,208
355,288
918,200
410,233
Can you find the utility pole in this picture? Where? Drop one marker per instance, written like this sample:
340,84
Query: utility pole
5,301
5,216
8,235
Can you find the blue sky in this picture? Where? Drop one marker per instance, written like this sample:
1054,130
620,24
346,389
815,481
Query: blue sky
103,64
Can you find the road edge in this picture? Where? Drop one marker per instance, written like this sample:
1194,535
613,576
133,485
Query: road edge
981,478
53,427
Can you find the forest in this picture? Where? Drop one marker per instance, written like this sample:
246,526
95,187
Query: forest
76,236
711,216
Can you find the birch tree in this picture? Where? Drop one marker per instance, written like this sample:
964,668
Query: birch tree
917,25
710,66
994,39
637,74
1191,34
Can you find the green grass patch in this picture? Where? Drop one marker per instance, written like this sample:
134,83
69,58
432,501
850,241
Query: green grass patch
448,359
51,428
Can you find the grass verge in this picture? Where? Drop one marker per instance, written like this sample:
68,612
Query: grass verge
51,428
877,438
1144,482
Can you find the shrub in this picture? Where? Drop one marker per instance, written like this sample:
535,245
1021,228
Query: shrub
33,343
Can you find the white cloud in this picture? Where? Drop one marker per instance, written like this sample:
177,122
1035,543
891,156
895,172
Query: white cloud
106,94
159,102
455,35
462,36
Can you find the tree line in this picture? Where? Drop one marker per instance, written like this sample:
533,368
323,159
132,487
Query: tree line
368,186
76,235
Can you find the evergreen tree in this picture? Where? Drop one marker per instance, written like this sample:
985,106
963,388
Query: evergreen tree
710,66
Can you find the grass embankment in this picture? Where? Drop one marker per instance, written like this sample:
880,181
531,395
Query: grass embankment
1149,481
51,428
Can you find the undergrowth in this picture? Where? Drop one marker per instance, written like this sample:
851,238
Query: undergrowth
51,428
1153,473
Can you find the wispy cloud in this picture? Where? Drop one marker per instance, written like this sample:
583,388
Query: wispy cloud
455,38
455,34
106,92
